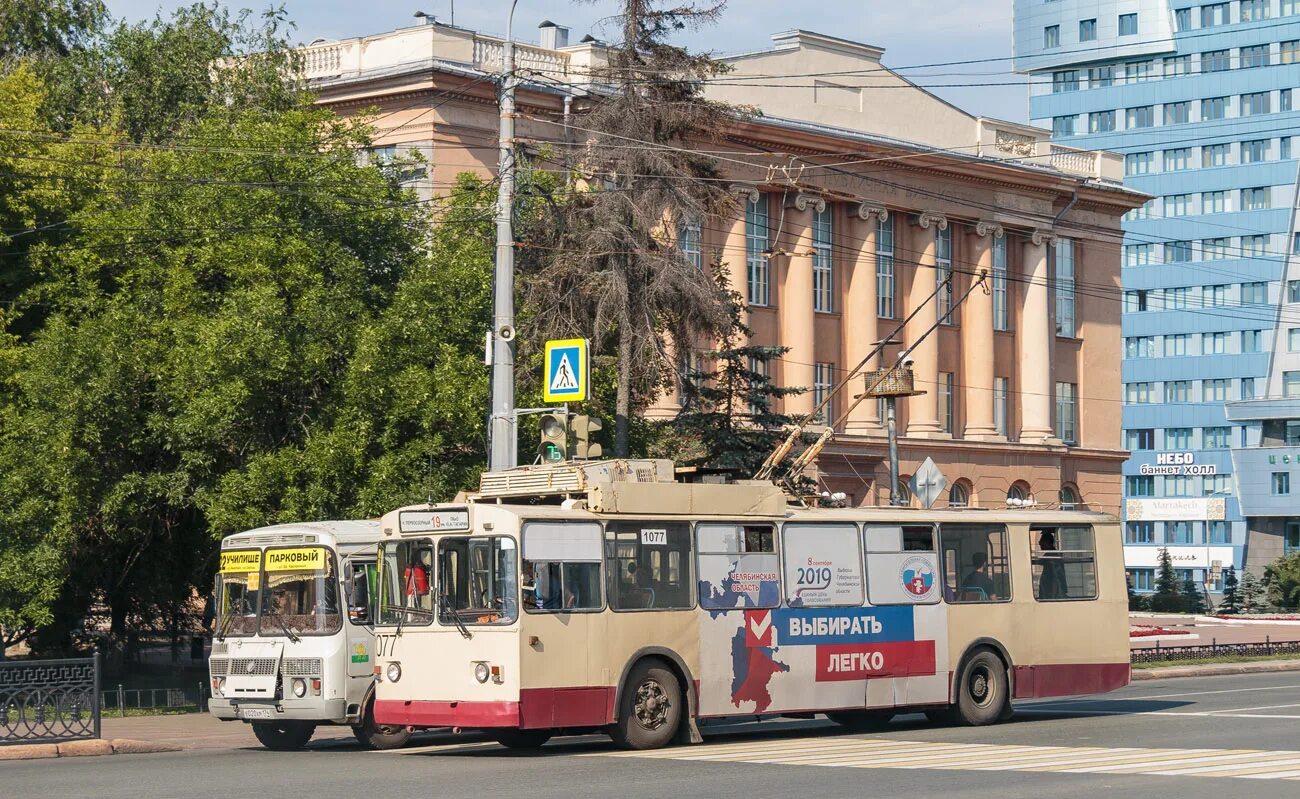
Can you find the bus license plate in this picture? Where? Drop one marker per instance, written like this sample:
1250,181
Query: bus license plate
258,713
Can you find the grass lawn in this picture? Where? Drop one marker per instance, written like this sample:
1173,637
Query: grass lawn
1218,659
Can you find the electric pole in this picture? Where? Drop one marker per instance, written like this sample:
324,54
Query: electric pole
503,453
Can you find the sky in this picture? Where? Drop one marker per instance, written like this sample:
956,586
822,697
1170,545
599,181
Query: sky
912,32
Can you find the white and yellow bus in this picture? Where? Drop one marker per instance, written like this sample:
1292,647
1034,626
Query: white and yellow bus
604,596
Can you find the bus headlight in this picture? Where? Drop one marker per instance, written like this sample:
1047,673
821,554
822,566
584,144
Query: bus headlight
219,686
482,672
299,688
394,671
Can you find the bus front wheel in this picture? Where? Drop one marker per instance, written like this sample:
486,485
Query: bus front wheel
284,736
983,695
379,736
650,708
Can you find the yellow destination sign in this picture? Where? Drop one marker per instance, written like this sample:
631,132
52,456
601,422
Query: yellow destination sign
246,561
299,559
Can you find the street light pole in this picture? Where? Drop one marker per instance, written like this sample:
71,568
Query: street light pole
503,453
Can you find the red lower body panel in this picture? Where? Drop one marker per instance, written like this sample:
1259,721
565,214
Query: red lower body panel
429,713
545,708
1066,679
537,708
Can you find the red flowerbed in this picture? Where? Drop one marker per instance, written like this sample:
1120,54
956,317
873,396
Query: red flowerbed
1147,632
1251,617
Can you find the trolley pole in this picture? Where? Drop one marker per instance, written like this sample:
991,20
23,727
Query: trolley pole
503,453
891,426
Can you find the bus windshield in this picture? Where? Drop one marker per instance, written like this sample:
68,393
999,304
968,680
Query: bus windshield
238,578
300,592
477,580
406,584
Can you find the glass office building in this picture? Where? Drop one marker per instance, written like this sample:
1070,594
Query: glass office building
1199,99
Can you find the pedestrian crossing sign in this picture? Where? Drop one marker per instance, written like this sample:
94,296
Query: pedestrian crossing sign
566,370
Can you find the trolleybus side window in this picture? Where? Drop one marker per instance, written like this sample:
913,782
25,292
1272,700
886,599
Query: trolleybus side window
975,566
647,565
406,582
737,566
561,570
1064,563
902,567
823,565
477,580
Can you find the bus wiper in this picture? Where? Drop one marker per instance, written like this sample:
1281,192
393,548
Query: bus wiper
283,626
444,600
224,627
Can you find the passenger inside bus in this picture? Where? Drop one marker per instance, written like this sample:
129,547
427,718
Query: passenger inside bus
1051,583
977,580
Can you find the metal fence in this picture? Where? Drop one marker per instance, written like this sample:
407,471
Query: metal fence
1165,654
121,699
47,701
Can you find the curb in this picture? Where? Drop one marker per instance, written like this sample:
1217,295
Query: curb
90,748
1215,670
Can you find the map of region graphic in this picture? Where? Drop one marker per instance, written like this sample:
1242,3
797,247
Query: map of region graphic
752,671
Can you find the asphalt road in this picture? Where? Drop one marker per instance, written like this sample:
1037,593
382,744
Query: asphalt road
1226,735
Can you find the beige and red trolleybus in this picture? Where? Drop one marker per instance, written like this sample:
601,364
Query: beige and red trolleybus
606,596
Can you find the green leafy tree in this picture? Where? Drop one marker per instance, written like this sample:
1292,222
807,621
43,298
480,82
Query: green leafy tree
47,28
728,420
1282,582
1251,591
1231,603
1167,598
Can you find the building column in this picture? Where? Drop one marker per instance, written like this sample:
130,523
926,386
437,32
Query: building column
859,315
1036,340
795,315
734,247
923,409
977,341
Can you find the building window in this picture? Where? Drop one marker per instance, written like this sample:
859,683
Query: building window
1178,391
1255,199
1215,390
823,262
1218,532
1178,252
1178,113
1214,155
1255,245
1289,52
1140,347
885,267
1001,313
1178,159
1291,385
1178,532
1176,65
1293,339
1088,30
1179,205
1217,485
760,370
1137,254
1284,100
1214,108
1182,19
1214,296
1293,291
1255,56
1128,24
823,382
1067,413
756,250
958,496
1069,498
1290,8
1216,437
1051,37
1139,486
1178,438
1281,483
1284,147
1101,121
1101,77
1254,104
1143,211
1216,61
1140,117
1139,71
1065,288
1136,301
946,410
1142,580
1176,344
1141,393
1254,10
1292,528
1139,163
1252,341
1214,343
1177,299
1065,81
688,239
1140,440
943,273
1247,393
1063,126
1254,150
1214,14
1214,249
1001,410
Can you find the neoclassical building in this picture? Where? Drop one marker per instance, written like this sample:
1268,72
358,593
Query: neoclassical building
858,197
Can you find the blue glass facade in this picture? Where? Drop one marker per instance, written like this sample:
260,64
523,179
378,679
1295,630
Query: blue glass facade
1199,99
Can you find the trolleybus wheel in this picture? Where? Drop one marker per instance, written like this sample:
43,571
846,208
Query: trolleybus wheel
522,739
379,736
284,736
650,708
862,720
982,693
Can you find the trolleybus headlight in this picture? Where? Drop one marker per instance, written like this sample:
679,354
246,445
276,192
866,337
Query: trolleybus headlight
481,672
300,688
394,672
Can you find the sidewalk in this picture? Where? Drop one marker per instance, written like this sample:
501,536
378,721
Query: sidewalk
202,731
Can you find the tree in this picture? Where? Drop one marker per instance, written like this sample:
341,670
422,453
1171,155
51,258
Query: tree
47,28
1193,598
728,421
1135,601
1231,603
1250,591
1282,582
1167,598
611,271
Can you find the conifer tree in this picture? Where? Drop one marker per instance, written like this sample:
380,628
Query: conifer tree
1230,603
1168,598
1193,598
1250,591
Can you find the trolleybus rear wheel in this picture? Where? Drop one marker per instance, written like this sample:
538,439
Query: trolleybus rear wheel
982,690
379,736
862,720
284,736
650,708
522,739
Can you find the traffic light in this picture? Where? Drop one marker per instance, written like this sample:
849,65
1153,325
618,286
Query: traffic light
583,429
554,446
